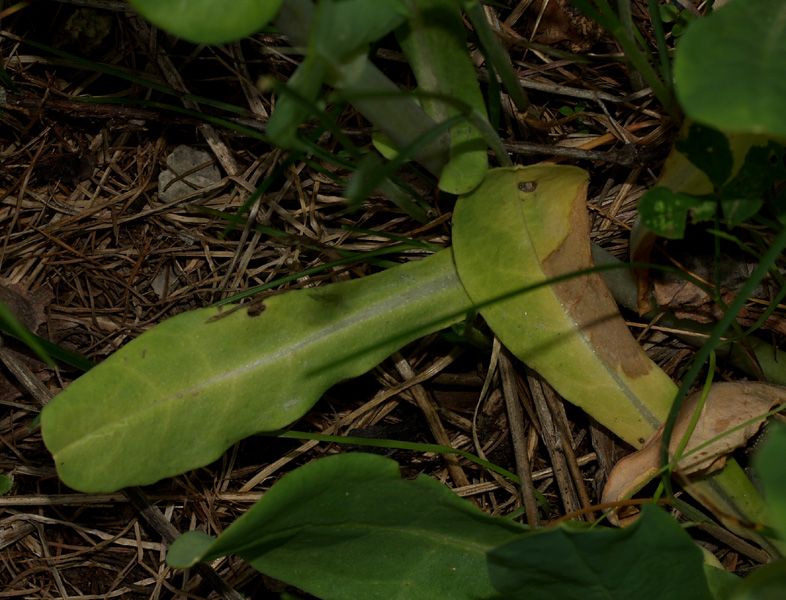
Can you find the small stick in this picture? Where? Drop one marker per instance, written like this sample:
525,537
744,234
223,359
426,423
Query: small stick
518,438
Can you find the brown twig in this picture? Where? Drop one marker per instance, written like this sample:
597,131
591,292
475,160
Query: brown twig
518,438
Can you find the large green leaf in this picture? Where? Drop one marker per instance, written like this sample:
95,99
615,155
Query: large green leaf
522,227
722,584
209,21
652,559
729,68
176,397
433,40
348,527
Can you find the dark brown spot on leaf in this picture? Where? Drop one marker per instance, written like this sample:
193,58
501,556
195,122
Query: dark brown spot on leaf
255,310
528,186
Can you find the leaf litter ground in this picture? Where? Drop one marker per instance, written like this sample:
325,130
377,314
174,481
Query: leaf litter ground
92,257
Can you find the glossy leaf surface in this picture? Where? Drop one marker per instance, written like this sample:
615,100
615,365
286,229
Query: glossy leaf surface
179,395
347,527
209,21
654,558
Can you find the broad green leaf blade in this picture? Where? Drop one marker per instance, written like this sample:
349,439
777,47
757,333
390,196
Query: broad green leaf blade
347,527
654,558
179,395
522,227
722,584
434,42
768,464
189,549
209,21
729,68
527,225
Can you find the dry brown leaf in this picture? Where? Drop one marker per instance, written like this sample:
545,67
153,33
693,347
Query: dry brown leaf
28,307
728,405
562,22
696,255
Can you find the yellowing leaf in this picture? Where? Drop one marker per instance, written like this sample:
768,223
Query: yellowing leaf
525,226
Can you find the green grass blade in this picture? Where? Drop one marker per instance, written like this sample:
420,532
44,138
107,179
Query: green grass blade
10,324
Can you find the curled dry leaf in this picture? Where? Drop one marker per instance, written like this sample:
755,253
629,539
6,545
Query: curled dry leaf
728,405
561,21
696,255
28,307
